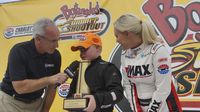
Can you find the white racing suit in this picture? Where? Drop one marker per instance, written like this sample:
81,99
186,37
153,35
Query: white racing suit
147,79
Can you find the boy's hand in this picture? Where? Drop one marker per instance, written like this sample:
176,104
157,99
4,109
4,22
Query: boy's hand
92,103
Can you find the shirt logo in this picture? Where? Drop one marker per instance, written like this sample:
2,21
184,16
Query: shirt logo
130,57
138,71
155,107
49,65
144,55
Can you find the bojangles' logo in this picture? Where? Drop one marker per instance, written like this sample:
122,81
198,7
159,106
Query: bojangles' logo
77,11
179,27
76,20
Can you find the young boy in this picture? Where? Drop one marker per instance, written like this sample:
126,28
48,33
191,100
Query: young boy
102,78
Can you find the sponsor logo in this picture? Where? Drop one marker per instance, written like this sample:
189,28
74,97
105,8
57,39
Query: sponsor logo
77,11
155,107
179,26
9,32
144,55
63,90
163,69
72,23
138,71
16,31
76,20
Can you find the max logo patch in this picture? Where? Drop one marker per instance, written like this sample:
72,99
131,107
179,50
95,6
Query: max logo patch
155,106
139,70
163,69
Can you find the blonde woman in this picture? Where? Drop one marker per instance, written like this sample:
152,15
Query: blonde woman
145,66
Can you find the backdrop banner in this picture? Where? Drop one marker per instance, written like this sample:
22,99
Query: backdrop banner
177,22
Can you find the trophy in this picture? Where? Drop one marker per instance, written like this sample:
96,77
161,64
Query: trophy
78,102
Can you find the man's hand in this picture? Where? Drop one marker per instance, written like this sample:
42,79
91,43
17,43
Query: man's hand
31,85
92,103
59,78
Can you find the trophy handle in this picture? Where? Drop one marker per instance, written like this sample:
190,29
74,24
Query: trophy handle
82,87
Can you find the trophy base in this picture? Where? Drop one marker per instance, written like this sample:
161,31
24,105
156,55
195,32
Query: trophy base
75,104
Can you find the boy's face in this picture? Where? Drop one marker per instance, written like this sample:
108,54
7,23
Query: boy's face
90,53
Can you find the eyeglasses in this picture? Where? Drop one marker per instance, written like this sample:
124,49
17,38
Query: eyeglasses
50,41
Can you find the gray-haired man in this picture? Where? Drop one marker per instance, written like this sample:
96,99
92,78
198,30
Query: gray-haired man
33,66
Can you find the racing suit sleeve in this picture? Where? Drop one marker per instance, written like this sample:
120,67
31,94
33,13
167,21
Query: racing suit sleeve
127,87
162,70
114,90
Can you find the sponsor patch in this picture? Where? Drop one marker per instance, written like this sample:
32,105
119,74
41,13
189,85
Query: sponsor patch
163,69
162,59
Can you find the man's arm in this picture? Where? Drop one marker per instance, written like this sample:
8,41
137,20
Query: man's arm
50,95
31,85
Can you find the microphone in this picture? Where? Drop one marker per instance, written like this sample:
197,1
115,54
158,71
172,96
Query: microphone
70,70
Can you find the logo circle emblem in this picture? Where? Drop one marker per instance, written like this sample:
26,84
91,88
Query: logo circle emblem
63,90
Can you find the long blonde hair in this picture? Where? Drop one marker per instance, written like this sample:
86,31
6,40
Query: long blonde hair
130,23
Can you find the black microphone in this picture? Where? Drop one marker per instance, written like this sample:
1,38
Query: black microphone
70,70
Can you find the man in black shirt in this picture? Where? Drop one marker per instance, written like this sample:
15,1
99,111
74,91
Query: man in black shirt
102,78
33,66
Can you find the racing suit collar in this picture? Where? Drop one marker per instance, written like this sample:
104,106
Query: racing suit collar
137,50
96,60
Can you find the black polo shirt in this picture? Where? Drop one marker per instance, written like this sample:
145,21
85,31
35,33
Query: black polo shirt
24,62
